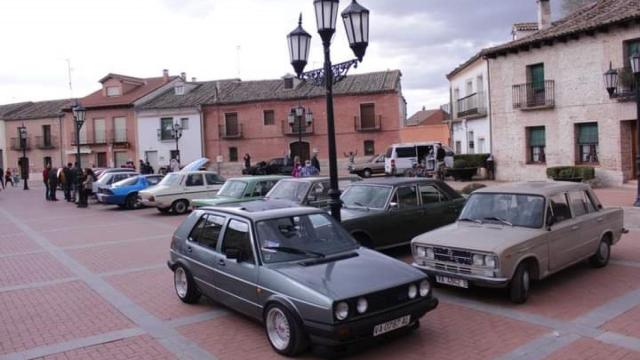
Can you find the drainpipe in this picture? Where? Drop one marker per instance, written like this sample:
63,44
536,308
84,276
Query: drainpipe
203,149
489,108
62,161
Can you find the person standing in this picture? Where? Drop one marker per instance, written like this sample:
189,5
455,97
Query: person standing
297,167
67,172
53,183
315,162
88,177
8,178
75,187
308,169
2,177
247,161
45,180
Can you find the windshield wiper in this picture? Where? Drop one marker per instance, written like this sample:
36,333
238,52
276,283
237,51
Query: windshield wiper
292,250
477,221
495,218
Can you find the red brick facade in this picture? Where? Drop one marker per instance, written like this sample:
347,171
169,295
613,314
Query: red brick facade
39,151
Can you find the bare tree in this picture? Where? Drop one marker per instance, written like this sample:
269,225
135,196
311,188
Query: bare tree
569,6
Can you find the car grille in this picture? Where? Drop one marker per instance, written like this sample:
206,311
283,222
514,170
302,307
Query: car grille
388,298
459,257
453,268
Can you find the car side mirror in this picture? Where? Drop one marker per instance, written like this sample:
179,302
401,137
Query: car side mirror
394,206
233,254
551,220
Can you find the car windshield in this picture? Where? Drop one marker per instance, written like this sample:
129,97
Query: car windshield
233,189
289,190
171,179
508,209
126,182
301,237
366,196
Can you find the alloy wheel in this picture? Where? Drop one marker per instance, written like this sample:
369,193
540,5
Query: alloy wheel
278,328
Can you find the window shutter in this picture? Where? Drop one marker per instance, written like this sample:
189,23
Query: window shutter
537,137
588,134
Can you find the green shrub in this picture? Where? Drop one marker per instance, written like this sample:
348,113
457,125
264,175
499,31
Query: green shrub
568,172
473,160
460,164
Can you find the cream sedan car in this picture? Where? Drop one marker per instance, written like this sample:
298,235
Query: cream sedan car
176,190
510,235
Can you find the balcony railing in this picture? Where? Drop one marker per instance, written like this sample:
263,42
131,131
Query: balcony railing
471,105
626,84
534,95
46,142
374,124
166,135
89,138
16,145
296,129
118,137
234,132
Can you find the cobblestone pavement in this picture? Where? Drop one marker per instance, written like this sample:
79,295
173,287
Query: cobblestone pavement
93,284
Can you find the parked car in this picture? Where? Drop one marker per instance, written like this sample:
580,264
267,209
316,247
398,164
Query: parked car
100,171
401,158
510,235
388,212
298,272
106,179
310,191
176,190
240,189
124,193
374,165
276,166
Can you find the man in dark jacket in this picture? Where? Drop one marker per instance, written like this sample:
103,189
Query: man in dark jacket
45,179
53,183
68,181
315,162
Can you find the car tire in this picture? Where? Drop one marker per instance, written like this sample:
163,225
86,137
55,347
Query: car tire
185,286
284,331
601,257
363,240
131,201
180,207
366,173
164,210
520,284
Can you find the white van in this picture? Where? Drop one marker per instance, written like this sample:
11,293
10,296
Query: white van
402,157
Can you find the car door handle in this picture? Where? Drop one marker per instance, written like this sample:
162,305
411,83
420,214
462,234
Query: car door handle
189,249
221,262
575,227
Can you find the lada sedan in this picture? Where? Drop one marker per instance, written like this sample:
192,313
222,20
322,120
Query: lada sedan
509,235
297,272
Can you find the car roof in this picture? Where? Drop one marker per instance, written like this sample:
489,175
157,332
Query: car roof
259,178
543,188
395,181
264,209
320,178
417,144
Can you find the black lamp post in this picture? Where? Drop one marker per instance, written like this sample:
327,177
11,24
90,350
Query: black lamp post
176,132
356,22
611,83
24,163
298,118
79,113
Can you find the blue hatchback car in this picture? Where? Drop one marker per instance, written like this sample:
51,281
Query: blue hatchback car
125,193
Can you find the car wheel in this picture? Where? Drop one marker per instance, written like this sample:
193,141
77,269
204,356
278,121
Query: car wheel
284,331
185,286
131,202
164,210
180,207
366,173
520,284
602,255
363,240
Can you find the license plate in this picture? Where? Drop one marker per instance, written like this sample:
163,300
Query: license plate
452,281
391,325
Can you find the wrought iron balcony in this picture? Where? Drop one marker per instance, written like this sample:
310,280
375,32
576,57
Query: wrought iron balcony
89,138
366,125
473,105
297,129
119,137
46,142
17,145
626,85
534,95
232,132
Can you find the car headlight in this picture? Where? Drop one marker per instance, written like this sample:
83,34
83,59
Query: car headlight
429,253
425,287
490,261
413,291
478,260
342,310
421,252
362,305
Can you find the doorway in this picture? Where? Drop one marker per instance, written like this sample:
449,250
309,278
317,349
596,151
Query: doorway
101,159
152,158
634,149
301,149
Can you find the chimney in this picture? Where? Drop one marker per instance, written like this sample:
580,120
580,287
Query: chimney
165,75
544,14
424,108
193,79
183,75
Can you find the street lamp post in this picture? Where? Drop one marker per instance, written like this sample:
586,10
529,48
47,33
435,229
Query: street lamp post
611,83
356,23
298,117
176,132
79,113
24,164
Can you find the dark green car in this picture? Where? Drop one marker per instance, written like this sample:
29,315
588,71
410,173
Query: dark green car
387,212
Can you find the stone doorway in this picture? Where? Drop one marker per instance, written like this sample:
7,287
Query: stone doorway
629,149
301,149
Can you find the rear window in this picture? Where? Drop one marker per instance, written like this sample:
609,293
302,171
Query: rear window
389,153
406,152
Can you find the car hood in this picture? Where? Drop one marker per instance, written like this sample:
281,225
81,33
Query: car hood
481,237
351,213
352,276
217,200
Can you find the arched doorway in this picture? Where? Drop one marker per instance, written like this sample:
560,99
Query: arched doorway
301,149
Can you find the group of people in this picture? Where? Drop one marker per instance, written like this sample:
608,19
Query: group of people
310,168
6,177
145,167
75,184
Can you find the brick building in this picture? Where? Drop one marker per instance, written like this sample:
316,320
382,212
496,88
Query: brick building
4,143
549,105
426,125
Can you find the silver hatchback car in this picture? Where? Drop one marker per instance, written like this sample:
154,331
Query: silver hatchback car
298,272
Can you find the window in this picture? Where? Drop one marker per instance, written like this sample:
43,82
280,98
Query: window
471,143
458,147
481,146
46,160
120,129
288,83
469,88
405,152
113,91
319,192
237,237
101,159
269,117
232,127
262,188
46,135
179,89
479,85
166,129
587,142
560,208
184,123
99,131
431,195
213,179
153,180
369,147
536,145
194,180
207,231
406,197
121,158
367,116
535,89
580,203
233,154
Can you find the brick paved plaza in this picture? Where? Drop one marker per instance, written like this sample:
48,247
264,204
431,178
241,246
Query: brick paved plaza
93,284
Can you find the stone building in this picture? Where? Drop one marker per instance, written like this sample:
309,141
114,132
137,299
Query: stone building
549,105
4,143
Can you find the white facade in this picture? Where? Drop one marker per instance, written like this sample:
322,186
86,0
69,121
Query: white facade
470,124
157,151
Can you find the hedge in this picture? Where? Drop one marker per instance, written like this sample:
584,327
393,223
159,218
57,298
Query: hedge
472,160
569,172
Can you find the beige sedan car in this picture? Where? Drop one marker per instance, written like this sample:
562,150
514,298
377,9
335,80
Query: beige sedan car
510,235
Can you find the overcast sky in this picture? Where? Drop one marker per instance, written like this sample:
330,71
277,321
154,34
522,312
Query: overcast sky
216,39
